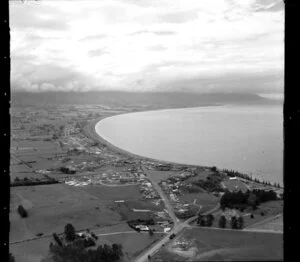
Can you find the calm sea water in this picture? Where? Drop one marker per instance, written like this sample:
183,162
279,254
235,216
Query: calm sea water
244,138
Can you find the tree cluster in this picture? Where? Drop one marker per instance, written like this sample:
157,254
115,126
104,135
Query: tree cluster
242,200
76,252
237,222
67,170
33,182
205,220
211,184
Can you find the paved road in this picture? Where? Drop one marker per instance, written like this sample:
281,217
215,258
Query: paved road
164,198
178,225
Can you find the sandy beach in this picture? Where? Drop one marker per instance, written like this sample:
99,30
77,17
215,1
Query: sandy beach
90,131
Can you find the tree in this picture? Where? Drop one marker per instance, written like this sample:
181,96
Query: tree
70,232
222,221
22,211
214,169
209,219
151,232
240,222
11,257
252,201
234,224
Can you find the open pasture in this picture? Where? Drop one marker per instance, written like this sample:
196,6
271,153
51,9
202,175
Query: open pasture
227,245
51,207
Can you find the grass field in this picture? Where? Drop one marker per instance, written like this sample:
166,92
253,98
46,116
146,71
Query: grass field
160,175
201,175
235,185
269,208
32,251
51,207
114,193
225,245
202,199
273,224
133,243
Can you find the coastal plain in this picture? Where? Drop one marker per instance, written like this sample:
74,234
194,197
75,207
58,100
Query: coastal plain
63,172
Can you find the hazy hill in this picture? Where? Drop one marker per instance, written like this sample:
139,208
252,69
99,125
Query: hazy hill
161,100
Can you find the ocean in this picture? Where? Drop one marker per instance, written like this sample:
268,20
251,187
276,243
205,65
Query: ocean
248,139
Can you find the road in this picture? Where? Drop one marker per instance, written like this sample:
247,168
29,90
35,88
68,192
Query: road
178,225
164,198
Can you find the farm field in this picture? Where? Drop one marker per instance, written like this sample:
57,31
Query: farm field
31,251
202,199
271,224
107,193
133,243
270,209
51,207
215,245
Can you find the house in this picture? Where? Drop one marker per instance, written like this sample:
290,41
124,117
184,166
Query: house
142,227
167,229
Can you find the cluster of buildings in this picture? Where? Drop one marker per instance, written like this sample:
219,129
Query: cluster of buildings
172,188
147,190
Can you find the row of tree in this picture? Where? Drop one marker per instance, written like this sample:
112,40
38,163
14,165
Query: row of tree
236,222
33,182
207,221
233,173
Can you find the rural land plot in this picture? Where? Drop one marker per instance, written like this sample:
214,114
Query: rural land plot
51,207
215,245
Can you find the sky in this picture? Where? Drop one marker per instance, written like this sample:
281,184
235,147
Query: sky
148,45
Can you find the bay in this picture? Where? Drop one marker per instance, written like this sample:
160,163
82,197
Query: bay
248,139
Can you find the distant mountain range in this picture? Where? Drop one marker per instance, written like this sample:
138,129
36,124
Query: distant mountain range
151,99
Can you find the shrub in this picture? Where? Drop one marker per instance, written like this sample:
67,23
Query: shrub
22,211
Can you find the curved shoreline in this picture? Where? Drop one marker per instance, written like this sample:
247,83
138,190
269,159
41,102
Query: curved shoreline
90,131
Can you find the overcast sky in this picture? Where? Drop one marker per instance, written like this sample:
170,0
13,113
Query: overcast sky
148,45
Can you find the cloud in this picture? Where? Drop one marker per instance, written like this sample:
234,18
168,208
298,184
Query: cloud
153,32
148,45
97,52
37,16
268,6
157,48
93,37
179,17
30,77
